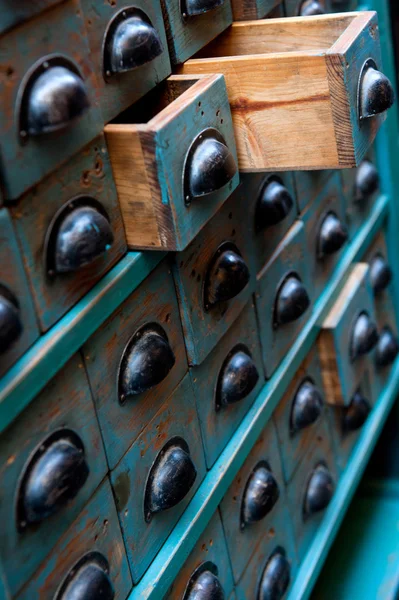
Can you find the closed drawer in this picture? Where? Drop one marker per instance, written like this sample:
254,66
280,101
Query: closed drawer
71,232
12,15
190,25
282,297
18,322
300,416
48,109
52,461
174,161
135,360
90,558
361,187
307,8
157,477
268,209
128,49
247,10
326,234
348,335
206,573
343,5
309,185
303,112
255,504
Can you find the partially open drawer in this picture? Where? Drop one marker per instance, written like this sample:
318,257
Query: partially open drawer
305,93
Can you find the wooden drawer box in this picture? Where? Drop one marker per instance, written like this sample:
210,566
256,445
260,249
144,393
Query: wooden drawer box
282,298
90,557
70,231
361,187
174,161
348,335
293,89
255,503
18,321
207,568
158,476
48,109
135,360
191,25
227,383
128,48
307,8
53,460
12,15
248,10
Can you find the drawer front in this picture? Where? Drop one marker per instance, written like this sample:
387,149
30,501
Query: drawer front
282,298
90,556
15,298
207,567
301,417
227,383
326,234
213,281
126,66
150,500
268,209
307,8
348,336
249,514
135,360
343,5
189,27
52,62
12,15
71,232
183,147
56,442
247,10
309,185
361,188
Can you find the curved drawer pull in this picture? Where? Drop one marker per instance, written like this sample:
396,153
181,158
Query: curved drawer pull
209,165
276,577
10,319
193,8
130,42
260,495
332,235
146,361
52,478
310,8
227,276
367,181
375,93
292,301
204,584
355,415
380,274
273,205
387,348
320,490
88,580
364,336
237,378
307,406
171,478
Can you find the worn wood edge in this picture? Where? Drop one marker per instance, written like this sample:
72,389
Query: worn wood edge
292,21
183,538
352,32
28,376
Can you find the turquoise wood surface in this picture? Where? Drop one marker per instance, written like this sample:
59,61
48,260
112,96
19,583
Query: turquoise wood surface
356,211
96,529
31,372
176,418
309,185
66,403
63,33
293,7
12,15
218,426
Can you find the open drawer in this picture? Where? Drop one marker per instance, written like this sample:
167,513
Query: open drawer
305,93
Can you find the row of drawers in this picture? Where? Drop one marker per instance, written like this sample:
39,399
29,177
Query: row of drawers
162,428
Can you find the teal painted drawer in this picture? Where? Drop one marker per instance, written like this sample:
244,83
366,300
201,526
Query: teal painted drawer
174,161
268,208
128,49
247,10
89,556
135,360
282,297
300,417
254,505
227,383
326,233
307,8
12,15
70,231
192,25
213,281
348,335
45,59
19,327
361,187
52,461
158,476
343,5
309,185
207,570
